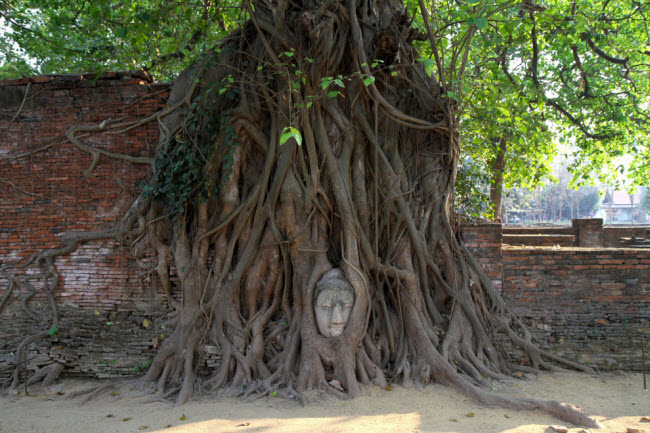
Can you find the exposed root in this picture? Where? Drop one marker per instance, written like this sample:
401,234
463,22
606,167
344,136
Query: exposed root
47,375
245,220
90,393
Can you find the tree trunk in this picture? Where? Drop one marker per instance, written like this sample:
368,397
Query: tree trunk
314,140
498,165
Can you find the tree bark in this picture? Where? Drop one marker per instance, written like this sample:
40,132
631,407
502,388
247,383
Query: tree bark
313,139
496,185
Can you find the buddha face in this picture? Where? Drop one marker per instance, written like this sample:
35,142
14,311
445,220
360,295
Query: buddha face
333,309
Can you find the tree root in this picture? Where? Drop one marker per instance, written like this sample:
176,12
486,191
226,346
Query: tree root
48,374
90,393
366,186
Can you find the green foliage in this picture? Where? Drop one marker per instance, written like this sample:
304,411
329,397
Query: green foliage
181,175
55,36
53,330
290,132
472,183
542,75
142,367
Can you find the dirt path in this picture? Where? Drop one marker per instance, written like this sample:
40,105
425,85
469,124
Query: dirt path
617,400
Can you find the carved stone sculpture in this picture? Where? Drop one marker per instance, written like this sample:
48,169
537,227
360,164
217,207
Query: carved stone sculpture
333,301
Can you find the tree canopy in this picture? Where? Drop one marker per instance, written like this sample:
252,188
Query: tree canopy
537,74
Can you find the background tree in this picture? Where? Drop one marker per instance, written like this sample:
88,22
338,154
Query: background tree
558,72
54,36
645,199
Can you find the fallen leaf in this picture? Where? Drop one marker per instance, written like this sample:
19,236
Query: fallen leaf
519,374
470,415
453,420
20,394
110,415
388,388
146,323
559,429
633,430
336,385
601,321
31,394
506,415
115,393
126,419
143,427
60,393
96,313
244,424
182,418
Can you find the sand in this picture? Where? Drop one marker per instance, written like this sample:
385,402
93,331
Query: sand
618,400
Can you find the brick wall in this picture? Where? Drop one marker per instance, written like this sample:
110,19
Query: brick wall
586,304
484,241
538,240
45,194
588,232
532,231
608,236
591,305
612,234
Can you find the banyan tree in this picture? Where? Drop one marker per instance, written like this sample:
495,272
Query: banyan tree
300,211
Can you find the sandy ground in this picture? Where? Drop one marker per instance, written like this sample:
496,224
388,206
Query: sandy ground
617,400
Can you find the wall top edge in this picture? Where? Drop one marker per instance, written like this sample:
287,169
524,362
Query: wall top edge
144,76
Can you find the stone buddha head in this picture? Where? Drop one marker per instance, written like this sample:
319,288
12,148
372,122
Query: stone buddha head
333,301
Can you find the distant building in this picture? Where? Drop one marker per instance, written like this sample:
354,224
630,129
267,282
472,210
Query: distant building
620,207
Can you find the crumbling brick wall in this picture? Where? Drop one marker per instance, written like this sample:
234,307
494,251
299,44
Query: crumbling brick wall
588,304
484,241
591,305
45,193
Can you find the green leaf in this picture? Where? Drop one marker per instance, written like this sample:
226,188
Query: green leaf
452,95
121,32
368,81
333,93
290,132
481,23
429,65
325,82
53,330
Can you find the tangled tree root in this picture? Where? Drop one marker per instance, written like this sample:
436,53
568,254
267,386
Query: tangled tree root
313,139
